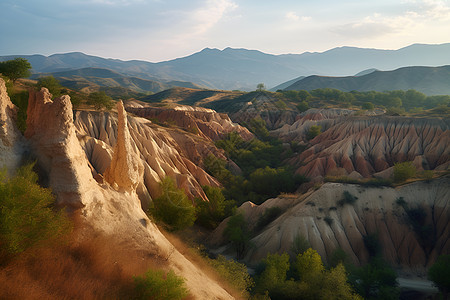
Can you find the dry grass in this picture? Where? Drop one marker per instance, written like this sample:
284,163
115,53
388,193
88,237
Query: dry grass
97,267
193,254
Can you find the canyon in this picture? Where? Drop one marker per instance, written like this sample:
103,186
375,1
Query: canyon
106,168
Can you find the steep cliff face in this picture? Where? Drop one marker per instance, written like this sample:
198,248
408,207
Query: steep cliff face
111,207
376,211
12,144
203,122
51,134
369,145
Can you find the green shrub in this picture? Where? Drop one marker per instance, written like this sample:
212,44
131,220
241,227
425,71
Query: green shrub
404,171
233,272
100,100
26,216
211,213
173,206
52,84
439,273
368,105
238,234
314,131
376,280
154,285
303,106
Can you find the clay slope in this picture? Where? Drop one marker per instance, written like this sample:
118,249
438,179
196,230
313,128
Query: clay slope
203,122
369,145
375,212
112,206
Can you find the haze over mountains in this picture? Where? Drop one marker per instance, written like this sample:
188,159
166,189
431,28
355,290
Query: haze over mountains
243,69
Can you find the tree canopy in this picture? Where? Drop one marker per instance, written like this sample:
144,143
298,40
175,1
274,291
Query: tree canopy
15,68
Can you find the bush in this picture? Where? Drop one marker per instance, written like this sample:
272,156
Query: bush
404,171
52,84
235,273
303,106
154,285
211,213
26,216
376,280
439,273
173,207
313,131
100,100
238,234
328,220
347,198
368,105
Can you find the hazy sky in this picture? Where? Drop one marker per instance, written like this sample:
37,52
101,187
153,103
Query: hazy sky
156,30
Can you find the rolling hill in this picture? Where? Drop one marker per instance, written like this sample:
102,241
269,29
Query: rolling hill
98,78
243,69
428,80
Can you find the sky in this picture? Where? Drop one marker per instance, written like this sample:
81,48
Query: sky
158,30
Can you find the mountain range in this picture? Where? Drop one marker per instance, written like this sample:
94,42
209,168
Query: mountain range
243,69
428,80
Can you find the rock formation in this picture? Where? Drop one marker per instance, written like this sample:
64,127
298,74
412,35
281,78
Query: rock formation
117,212
376,211
369,145
162,151
201,121
125,170
11,141
51,134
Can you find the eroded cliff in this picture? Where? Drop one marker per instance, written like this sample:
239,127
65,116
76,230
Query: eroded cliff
328,225
111,207
368,145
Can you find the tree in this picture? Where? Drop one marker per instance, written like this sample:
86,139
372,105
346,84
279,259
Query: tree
439,273
238,234
99,100
404,171
16,68
303,106
210,213
260,87
52,84
368,105
173,207
376,280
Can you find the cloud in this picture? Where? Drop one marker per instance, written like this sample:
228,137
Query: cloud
206,17
418,14
292,16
